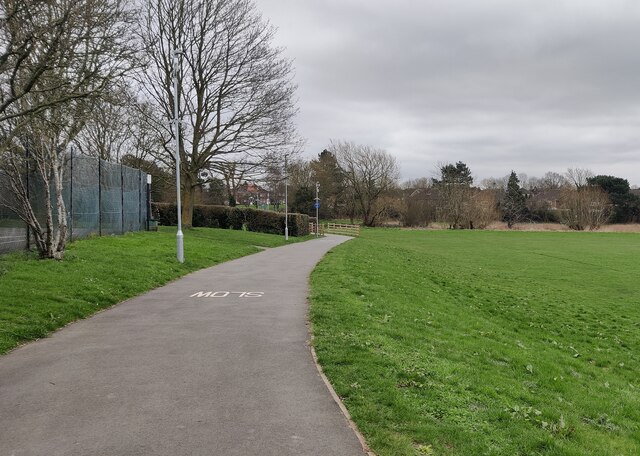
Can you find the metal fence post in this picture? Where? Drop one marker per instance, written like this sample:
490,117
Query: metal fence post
122,196
99,197
26,153
139,199
70,221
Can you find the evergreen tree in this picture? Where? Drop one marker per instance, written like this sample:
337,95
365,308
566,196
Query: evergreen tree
626,205
328,173
513,205
454,174
303,201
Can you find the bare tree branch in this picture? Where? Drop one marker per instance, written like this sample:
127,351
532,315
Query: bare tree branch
58,58
235,89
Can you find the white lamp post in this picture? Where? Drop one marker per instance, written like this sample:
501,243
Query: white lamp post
286,199
176,123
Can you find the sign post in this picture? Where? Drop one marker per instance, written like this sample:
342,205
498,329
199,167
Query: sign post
317,206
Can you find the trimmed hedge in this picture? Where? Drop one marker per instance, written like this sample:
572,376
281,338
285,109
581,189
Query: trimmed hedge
211,217
236,218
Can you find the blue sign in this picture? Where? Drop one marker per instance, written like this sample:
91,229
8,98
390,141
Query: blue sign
316,205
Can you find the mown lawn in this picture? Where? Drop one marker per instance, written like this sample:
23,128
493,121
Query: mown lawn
37,297
484,343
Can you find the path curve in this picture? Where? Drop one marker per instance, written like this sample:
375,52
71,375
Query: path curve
178,371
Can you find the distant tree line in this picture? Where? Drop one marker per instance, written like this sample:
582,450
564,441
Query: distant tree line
576,198
358,182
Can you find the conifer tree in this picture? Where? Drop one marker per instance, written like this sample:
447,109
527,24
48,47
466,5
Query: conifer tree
513,205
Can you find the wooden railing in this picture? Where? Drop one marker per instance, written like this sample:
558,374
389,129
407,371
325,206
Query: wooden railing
335,228
312,229
341,228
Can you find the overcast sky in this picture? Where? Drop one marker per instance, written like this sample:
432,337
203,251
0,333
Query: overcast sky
529,85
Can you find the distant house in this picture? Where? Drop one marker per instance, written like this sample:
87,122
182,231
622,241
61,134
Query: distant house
544,204
548,198
249,193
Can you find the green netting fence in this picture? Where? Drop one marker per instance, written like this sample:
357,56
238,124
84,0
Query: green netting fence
101,198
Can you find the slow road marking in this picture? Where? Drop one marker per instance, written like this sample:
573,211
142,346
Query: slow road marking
228,294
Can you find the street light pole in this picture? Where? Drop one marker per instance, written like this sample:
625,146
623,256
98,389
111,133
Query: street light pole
286,199
317,209
176,123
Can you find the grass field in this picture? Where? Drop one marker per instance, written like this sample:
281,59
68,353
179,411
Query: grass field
37,297
484,343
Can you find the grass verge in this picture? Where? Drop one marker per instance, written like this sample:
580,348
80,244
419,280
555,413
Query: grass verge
484,343
38,297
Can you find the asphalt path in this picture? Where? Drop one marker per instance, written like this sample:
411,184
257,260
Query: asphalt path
216,363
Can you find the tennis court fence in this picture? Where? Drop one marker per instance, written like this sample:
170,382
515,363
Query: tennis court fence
101,198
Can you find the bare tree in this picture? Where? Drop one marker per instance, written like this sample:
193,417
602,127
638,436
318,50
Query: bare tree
482,208
300,176
31,36
39,38
419,183
55,64
109,126
495,183
145,143
369,174
235,90
454,194
553,180
41,147
579,177
587,207
236,171
453,204
419,206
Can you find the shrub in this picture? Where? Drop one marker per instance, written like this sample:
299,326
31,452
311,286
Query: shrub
265,221
419,211
212,216
588,207
165,213
236,218
298,224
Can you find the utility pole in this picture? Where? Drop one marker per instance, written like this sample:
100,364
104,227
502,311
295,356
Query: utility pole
317,205
176,123
286,198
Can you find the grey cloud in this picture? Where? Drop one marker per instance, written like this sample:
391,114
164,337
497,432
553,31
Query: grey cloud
540,85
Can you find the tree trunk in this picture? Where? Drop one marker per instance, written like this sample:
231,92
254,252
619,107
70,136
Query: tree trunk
47,252
60,241
188,196
230,196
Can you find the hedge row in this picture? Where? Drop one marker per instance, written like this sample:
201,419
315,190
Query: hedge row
237,218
